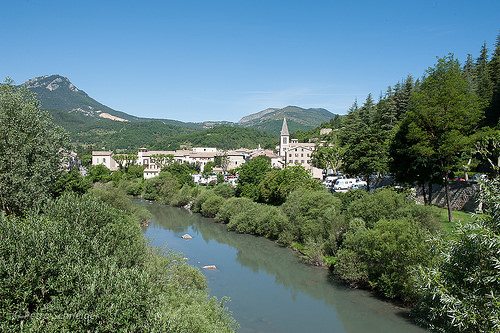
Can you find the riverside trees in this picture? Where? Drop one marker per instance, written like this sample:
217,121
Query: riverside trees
80,262
444,115
32,149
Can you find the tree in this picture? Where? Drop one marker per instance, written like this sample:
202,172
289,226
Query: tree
327,157
32,150
250,175
445,113
278,183
125,160
365,153
162,160
487,144
222,161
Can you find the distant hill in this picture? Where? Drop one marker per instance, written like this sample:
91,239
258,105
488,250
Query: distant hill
270,120
93,124
56,94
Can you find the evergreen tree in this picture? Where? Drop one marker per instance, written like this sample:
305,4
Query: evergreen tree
492,113
484,83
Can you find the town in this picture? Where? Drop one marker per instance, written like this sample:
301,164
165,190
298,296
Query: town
289,152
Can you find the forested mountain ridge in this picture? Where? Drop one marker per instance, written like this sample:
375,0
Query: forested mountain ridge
94,125
270,120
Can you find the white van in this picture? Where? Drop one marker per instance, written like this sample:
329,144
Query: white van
343,185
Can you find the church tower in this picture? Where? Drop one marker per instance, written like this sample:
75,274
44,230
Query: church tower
285,138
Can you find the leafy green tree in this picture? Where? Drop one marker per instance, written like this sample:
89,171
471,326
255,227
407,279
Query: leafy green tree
278,183
461,291
99,173
208,169
365,153
445,114
125,160
407,166
162,160
487,144
32,150
182,171
327,157
72,181
250,175
222,161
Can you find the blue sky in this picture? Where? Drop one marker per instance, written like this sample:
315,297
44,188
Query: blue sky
222,60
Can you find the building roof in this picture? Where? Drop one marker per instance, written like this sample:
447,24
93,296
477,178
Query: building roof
102,153
157,152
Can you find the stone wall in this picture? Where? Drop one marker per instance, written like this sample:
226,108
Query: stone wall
463,195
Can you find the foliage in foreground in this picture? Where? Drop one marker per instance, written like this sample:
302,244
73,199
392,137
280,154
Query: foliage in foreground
461,292
31,151
82,265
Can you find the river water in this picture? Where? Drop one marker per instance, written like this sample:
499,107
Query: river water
270,289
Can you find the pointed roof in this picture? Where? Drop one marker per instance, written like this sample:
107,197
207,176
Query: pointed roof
284,128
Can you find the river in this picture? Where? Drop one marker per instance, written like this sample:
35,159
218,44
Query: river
270,289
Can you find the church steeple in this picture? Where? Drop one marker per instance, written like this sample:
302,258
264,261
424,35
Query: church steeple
285,138
284,128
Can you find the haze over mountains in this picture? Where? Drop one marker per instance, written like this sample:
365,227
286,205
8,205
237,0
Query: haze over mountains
57,94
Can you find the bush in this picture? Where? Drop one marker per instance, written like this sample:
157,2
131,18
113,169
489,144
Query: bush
200,199
259,219
225,190
182,197
231,207
385,257
306,212
161,188
211,206
85,266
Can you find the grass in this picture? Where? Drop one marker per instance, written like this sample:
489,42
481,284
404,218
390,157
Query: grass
458,216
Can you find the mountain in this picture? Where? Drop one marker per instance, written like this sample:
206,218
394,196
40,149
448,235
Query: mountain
90,123
270,120
56,92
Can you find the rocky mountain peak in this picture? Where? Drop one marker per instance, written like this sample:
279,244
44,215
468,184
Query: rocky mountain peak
50,82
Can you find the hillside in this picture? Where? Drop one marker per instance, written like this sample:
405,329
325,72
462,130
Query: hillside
270,120
93,124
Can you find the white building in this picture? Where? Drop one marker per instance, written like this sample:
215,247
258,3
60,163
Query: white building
105,158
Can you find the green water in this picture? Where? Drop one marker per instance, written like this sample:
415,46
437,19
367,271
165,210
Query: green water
271,290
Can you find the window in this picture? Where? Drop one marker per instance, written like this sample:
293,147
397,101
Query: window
302,161
284,140
97,160
301,155
104,160
289,155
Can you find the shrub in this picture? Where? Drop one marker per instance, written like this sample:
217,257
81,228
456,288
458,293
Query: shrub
211,206
200,199
306,209
225,190
85,266
231,207
182,197
385,257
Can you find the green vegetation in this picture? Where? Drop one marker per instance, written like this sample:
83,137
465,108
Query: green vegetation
31,148
74,258
270,120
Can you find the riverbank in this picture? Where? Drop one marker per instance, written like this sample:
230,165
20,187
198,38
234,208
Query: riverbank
270,287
